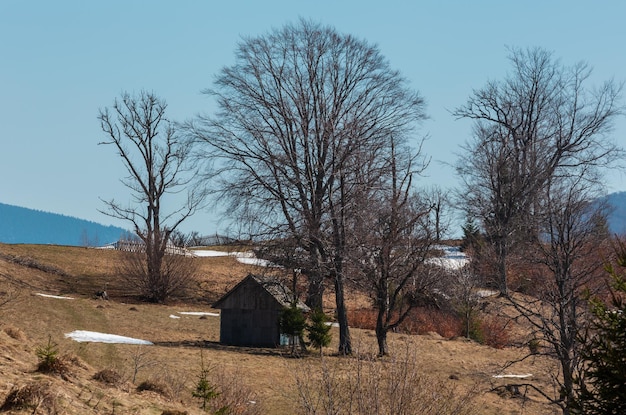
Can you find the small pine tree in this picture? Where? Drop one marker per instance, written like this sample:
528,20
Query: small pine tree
205,390
471,235
48,356
604,352
318,331
293,323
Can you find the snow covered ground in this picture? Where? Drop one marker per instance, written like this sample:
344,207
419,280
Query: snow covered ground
244,257
452,259
199,313
84,336
194,313
58,297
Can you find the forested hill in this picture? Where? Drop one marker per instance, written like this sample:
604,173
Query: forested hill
23,225
617,218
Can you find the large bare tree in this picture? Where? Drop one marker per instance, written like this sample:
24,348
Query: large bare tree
157,160
570,259
302,108
393,233
540,122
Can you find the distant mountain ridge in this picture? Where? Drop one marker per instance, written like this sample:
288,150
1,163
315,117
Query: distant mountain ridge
617,217
19,225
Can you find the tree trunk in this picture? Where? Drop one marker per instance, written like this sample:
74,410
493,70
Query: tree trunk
315,291
501,253
381,331
345,342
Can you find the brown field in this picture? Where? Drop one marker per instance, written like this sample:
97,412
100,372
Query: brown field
266,376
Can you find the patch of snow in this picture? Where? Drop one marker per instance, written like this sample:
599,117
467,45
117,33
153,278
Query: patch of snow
247,258
208,253
173,316
486,293
198,313
255,261
452,258
330,323
526,375
82,336
54,296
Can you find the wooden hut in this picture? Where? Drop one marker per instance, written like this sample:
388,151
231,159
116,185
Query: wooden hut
250,312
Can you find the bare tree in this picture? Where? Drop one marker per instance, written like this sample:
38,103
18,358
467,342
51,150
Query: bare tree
299,109
465,299
441,210
571,259
157,161
536,124
392,235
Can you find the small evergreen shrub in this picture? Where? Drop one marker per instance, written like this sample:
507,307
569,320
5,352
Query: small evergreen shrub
205,391
318,331
293,324
50,361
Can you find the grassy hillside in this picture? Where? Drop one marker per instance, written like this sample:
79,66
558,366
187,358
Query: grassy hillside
265,380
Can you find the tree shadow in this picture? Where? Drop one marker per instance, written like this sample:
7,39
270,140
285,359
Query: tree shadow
212,345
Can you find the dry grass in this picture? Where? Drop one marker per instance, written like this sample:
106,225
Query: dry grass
36,396
109,377
266,376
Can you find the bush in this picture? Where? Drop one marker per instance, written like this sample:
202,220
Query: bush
366,386
109,377
204,390
223,392
154,385
50,362
15,333
34,395
427,320
422,320
604,349
318,330
533,346
292,323
494,332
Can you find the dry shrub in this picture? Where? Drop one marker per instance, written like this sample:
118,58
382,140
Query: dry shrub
369,386
364,318
232,393
427,320
526,278
495,332
175,277
37,396
15,333
157,386
61,366
421,320
176,383
108,377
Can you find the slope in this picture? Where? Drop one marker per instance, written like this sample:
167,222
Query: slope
29,226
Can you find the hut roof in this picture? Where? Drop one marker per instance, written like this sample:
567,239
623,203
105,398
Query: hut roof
272,285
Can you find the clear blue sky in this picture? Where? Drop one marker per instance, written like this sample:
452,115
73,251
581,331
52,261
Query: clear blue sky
60,61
